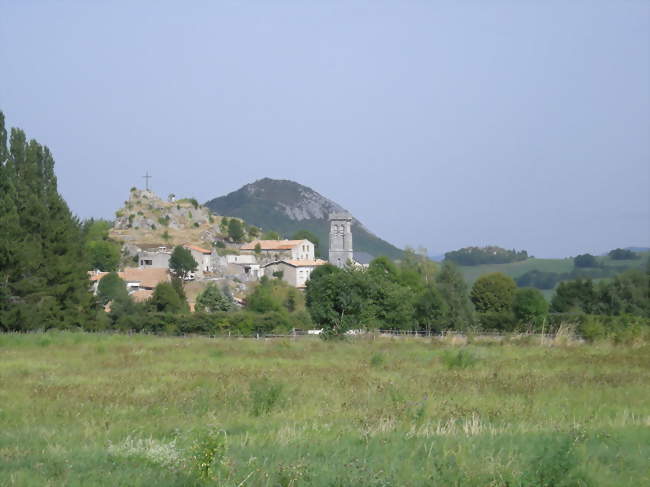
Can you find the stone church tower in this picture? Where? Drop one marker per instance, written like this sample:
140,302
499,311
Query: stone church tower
340,239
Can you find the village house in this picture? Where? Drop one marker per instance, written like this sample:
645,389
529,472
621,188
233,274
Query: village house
203,257
156,258
140,283
280,249
295,272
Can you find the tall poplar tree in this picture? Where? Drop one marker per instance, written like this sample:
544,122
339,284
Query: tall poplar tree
43,278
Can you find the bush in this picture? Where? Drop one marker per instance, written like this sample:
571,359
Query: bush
592,330
497,321
207,453
529,306
493,293
211,299
166,299
460,359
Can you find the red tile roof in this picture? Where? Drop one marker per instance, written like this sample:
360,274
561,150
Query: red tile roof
272,244
147,278
141,295
197,248
299,263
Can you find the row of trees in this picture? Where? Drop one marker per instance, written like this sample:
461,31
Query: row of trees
411,296
627,293
485,255
408,295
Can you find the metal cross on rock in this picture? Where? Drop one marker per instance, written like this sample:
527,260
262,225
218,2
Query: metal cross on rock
146,179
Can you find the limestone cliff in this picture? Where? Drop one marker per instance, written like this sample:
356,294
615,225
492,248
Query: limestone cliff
146,219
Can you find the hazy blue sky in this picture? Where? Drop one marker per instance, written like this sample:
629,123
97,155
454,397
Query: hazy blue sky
444,124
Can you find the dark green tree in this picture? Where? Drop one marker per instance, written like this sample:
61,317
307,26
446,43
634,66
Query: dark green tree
211,300
179,286
529,306
181,262
383,268
335,299
291,301
457,312
493,293
166,299
386,305
103,255
585,260
627,293
430,309
235,230
579,295
110,288
622,254
43,278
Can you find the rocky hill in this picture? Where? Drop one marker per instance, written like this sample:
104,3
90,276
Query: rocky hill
286,207
146,219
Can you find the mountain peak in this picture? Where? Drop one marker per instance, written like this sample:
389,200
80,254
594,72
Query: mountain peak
287,206
296,201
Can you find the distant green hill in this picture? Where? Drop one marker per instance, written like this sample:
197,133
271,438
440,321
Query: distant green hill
516,269
560,266
286,207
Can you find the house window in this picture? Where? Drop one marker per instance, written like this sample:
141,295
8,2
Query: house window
148,262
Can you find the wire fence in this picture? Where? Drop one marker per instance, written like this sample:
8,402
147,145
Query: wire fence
314,334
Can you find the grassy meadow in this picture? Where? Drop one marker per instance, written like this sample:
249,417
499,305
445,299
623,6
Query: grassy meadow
84,410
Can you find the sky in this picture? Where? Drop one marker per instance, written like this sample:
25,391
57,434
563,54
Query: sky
440,124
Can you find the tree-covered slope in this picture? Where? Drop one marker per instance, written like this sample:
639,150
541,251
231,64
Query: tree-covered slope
286,207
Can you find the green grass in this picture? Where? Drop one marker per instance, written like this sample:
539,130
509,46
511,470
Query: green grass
88,410
517,269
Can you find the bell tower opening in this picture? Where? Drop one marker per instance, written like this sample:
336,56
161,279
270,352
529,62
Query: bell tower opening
340,248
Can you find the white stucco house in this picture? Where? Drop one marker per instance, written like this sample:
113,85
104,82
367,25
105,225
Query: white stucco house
203,257
280,249
154,258
295,272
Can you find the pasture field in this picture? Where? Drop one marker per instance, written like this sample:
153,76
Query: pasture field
109,410
517,269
